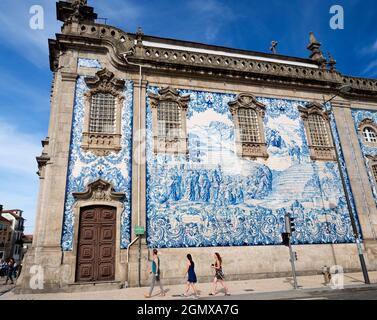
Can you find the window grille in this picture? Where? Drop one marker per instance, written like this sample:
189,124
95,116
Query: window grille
318,131
248,125
102,113
369,135
169,120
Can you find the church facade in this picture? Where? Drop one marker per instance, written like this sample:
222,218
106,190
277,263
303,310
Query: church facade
192,148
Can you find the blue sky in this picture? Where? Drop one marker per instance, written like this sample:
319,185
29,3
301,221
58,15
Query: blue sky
25,79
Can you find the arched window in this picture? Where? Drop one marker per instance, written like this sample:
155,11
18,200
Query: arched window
169,120
369,135
319,135
102,113
248,125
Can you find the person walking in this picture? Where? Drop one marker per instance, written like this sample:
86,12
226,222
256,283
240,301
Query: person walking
3,267
219,275
191,280
10,271
155,272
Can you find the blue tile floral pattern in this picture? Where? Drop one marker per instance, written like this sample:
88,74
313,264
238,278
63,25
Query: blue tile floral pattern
212,197
85,167
89,63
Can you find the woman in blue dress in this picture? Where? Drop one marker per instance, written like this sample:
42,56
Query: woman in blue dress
191,280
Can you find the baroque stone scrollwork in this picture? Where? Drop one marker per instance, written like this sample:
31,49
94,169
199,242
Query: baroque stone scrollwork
103,143
176,142
255,147
317,127
99,190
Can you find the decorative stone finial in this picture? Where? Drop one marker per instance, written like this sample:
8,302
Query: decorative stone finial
274,44
331,62
75,11
139,36
315,47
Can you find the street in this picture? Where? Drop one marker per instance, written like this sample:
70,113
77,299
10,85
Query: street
357,293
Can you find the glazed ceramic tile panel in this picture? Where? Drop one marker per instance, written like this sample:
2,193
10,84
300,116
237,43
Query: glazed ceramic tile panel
85,167
359,116
212,197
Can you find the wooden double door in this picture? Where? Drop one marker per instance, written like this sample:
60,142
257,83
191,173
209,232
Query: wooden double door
96,244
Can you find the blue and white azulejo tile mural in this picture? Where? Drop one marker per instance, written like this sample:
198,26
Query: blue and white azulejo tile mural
359,116
85,167
212,197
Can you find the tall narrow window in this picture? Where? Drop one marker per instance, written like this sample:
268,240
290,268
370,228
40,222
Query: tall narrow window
102,113
248,116
249,128
318,132
169,110
369,135
169,120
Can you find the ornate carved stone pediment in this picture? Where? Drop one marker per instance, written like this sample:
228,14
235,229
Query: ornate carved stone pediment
313,108
371,158
367,123
247,100
169,94
99,190
105,81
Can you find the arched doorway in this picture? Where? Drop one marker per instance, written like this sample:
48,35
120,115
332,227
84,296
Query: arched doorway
96,244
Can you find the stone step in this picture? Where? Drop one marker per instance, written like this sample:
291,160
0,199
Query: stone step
93,286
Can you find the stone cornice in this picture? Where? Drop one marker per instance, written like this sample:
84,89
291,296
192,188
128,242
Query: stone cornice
97,37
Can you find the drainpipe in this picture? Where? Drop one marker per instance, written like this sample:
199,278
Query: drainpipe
125,56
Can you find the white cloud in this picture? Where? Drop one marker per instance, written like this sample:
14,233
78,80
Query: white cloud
371,69
19,182
18,150
16,33
370,49
212,15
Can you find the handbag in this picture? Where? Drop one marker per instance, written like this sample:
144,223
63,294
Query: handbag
158,278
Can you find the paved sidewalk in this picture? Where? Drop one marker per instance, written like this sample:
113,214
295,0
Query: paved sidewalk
248,287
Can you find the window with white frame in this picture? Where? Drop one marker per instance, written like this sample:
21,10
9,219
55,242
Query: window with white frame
102,113
369,135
